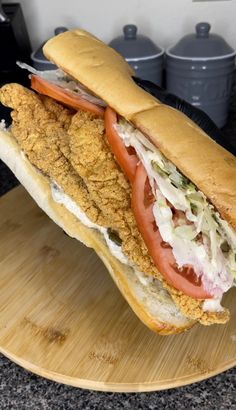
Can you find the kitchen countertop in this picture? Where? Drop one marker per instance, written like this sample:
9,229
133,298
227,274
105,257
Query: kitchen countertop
20,389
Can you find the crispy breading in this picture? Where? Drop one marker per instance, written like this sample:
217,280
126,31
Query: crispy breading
40,125
91,157
73,151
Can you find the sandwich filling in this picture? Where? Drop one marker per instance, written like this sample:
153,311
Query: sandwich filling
159,297
199,237
72,150
112,240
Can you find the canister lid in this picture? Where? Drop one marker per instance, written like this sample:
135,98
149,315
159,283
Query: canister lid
38,56
135,47
201,45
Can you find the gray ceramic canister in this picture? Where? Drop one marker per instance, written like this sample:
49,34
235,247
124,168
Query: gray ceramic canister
40,62
141,53
199,69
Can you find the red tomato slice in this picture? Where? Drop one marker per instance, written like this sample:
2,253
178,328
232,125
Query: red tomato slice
64,96
184,279
125,156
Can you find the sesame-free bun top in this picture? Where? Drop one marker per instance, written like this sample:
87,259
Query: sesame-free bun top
102,70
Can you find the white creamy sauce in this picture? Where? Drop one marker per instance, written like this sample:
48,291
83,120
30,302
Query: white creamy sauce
59,196
3,126
207,257
115,249
212,305
144,279
62,198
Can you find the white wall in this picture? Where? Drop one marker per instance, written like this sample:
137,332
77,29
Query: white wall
165,21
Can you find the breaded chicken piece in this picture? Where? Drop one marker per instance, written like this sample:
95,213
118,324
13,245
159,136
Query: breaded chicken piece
91,157
73,151
39,126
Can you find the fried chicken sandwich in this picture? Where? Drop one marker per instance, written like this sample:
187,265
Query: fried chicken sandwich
132,178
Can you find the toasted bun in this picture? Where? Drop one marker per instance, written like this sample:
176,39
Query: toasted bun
155,309
101,69
202,160
105,72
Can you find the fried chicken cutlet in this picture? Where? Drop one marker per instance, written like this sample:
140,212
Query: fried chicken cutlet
71,149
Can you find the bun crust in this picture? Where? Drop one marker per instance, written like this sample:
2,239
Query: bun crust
203,161
101,69
106,73
155,309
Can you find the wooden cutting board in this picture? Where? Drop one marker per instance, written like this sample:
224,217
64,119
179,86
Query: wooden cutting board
62,317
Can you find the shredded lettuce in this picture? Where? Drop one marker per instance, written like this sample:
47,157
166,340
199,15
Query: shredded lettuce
198,241
186,232
58,77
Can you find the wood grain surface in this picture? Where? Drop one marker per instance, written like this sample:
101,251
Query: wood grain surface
62,317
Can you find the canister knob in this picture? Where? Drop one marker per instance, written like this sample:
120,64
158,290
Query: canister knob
202,30
130,31
60,29
140,52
